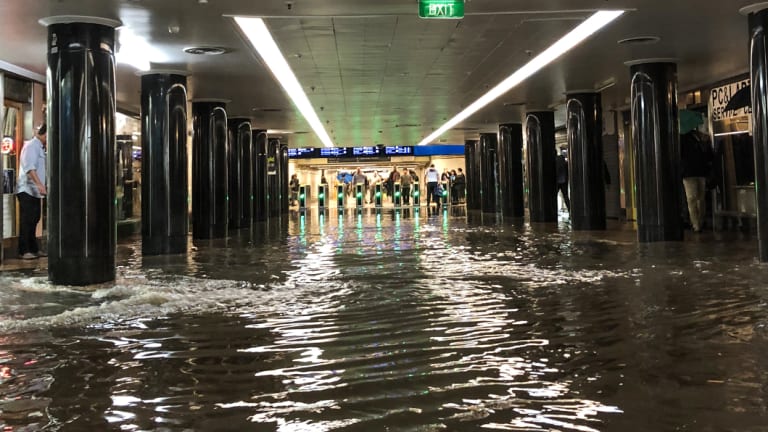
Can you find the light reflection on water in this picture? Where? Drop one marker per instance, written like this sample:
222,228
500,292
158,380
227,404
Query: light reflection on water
398,321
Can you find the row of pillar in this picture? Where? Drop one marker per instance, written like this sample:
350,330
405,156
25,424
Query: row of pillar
239,175
494,162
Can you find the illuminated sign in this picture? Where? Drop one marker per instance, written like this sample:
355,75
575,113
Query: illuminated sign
398,150
365,151
7,145
441,9
333,151
302,153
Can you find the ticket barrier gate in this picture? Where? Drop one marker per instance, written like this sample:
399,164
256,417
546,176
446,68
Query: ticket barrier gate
416,195
359,196
340,196
321,197
303,197
377,196
397,197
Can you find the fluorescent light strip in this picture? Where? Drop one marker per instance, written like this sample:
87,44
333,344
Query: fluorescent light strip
566,43
261,39
731,133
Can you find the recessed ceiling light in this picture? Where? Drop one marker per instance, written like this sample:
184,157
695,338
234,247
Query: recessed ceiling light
256,31
566,43
640,40
205,50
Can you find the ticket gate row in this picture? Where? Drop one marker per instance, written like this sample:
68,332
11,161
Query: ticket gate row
412,197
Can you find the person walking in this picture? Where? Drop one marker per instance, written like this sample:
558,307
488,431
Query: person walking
431,178
696,156
561,169
405,186
461,185
30,191
294,185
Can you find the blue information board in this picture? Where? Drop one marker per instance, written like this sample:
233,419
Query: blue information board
365,151
398,150
303,153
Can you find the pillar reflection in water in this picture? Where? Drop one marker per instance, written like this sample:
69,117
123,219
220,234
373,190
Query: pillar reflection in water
656,141
81,155
758,52
164,195
540,162
210,210
510,156
585,161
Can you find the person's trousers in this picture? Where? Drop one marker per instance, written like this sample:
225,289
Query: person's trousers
431,187
695,188
406,193
563,188
29,210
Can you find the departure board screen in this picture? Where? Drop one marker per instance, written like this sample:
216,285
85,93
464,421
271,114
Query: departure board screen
302,153
333,152
398,150
365,151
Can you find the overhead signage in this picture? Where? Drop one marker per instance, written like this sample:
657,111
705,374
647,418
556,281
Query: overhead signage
7,146
333,152
303,153
398,150
365,151
441,9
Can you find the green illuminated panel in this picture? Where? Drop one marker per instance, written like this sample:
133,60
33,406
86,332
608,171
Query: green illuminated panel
441,9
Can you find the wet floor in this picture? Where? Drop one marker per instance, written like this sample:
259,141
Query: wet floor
396,322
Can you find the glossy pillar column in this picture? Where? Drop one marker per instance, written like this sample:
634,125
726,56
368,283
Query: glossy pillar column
758,52
260,201
489,173
472,167
656,141
282,165
540,161
584,122
210,210
82,228
164,196
273,179
510,155
239,130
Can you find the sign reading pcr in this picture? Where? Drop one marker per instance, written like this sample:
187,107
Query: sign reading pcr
441,9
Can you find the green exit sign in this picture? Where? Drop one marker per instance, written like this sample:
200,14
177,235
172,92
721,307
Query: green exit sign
442,9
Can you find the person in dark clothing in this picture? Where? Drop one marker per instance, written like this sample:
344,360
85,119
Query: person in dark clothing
461,185
561,167
696,159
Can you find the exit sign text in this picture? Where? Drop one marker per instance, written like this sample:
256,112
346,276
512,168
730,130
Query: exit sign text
441,9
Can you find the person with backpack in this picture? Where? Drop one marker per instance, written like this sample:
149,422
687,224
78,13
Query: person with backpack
431,178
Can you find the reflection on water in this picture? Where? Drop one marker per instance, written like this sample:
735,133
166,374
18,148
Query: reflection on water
399,321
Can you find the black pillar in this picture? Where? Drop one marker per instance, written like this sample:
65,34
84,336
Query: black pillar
489,172
260,202
656,141
758,22
273,178
164,196
210,210
473,173
239,166
584,120
542,181
282,167
82,228
511,170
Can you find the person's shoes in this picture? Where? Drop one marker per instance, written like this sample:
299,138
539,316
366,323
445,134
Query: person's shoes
42,254
28,256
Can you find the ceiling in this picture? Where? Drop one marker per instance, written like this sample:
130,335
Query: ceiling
376,73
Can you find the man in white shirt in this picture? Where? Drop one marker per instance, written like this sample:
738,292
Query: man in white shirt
30,190
431,178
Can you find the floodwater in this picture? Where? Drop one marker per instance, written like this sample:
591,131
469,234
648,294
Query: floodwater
396,322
